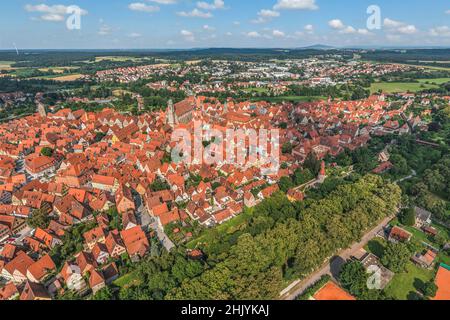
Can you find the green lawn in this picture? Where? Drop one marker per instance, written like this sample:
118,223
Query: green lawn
404,285
126,280
228,227
258,90
393,87
434,81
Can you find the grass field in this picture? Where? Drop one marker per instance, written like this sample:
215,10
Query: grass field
6,65
127,280
59,78
258,90
404,285
394,87
435,81
228,227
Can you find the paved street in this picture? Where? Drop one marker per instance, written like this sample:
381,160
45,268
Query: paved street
163,238
334,266
146,220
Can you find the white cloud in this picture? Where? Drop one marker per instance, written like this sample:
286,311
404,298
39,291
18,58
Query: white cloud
253,34
135,35
195,14
266,15
442,31
188,35
104,30
409,29
229,34
51,13
296,5
208,28
394,26
447,12
343,29
364,32
309,28
217,4
164,1
278,34
139,6
336,24
389,23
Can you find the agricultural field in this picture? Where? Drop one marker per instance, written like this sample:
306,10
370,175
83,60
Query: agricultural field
117,59
57,69
394,87
61,78
434,81
6,65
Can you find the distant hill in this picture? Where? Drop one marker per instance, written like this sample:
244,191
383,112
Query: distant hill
318,47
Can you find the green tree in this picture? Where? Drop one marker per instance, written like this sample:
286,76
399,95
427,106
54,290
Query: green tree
39,219
312,163
103,294
286,148
408,217
429,289
46,151
396,256
353,277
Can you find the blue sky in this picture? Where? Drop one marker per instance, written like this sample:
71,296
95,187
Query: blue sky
108,24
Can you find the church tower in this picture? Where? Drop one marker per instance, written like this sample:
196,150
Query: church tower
225,107
41,109
170,118
322,173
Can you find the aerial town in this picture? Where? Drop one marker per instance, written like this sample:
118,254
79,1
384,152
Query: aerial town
86,196
316,173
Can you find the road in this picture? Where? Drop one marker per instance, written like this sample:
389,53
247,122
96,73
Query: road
144,219
163,238
334,266
413,174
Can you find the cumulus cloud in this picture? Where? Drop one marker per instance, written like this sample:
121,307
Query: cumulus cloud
164,1
188,35
337,24
278,34
394,26
140,6
309,28
104,30
266,15
208,28
135,35
217,4
195,14
51,13
442,31
253,34
296,5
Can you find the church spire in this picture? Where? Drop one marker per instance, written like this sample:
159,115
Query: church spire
170,119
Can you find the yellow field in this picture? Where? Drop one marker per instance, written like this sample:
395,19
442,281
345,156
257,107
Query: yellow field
6,65
70,77
118,59
57,69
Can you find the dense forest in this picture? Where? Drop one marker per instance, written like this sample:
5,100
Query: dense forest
280,242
